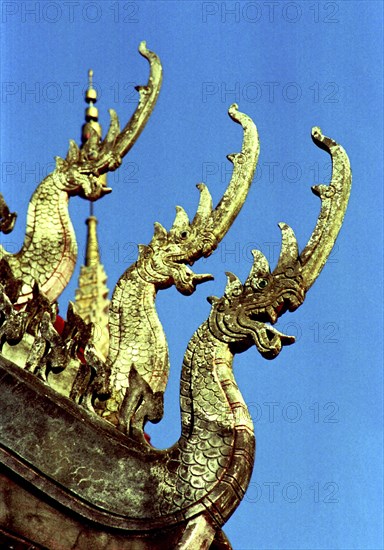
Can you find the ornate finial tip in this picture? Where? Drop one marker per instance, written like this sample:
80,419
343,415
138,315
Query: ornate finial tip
91,93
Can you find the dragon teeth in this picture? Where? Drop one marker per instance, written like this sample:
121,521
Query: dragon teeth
272,313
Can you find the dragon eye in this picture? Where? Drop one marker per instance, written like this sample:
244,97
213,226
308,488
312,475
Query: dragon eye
183,234
259,283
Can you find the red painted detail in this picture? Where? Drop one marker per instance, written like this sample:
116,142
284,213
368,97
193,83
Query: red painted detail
59,324
80,355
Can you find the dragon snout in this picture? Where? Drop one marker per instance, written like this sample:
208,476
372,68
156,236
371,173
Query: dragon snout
186,280
95,188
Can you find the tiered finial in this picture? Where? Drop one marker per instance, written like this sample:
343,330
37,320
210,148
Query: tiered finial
91,112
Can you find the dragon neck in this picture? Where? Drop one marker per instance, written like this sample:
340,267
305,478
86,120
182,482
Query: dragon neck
210,397
212,462
136,335
48,255
215,453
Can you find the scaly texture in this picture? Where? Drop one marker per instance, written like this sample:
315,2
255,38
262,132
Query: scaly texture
207,472
48,255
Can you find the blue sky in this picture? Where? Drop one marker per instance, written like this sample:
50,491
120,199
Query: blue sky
317,408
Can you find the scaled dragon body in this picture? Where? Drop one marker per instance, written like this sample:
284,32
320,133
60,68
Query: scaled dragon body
185,493
48,255
138,354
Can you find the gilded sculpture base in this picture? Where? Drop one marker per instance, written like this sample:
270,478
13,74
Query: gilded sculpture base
42,433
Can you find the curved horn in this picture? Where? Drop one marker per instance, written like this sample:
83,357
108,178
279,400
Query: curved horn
117,143
244,163
334,200
233,286
114,127
181,220
148,98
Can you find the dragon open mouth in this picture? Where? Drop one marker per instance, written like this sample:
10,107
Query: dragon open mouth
268,340
270,314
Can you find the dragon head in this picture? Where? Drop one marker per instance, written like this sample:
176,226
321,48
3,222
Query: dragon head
81,178
81,170
245,314
164,262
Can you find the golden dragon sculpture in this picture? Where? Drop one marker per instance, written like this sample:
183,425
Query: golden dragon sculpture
125,493
138,359
49,252
72,480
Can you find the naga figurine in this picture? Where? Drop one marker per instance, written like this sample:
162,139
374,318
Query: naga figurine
48,255
94,486
138,359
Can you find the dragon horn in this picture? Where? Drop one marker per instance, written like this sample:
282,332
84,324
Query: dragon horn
221,218
289,253
148,98
117,143
233,286
114,127
181,220
334,199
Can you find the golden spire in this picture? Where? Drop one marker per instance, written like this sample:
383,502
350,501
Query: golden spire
91,298
92,254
